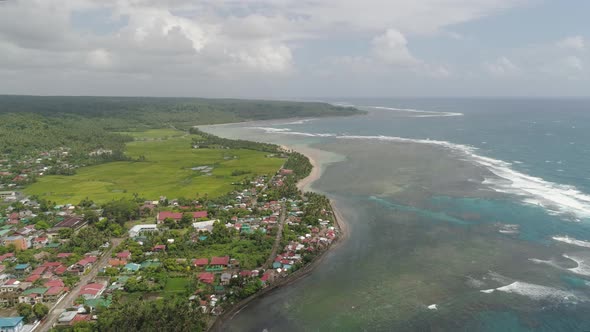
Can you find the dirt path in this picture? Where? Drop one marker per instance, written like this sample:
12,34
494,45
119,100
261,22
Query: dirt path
66,302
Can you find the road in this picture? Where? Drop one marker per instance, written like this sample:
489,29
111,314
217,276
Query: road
275,247
67,301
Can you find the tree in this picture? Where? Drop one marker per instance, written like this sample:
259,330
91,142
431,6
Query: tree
65,233
42,225
186,220
26,311
90,216
40,310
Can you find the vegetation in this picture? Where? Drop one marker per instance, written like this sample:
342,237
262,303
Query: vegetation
167,170
29,124
30,313
172,314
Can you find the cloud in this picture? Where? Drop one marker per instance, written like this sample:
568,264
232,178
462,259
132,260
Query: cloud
573,62
99,58
574,43
391,48
502,67
214,43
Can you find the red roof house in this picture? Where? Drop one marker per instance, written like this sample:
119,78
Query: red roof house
33,278
91,290
176,216
200,262
54,283
159,247
206,277
124,255
220,261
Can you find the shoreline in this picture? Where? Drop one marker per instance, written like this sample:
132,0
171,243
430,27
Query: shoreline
343,234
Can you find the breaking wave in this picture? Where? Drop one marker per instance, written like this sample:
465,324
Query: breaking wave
572,241
555,198
418,113
536,292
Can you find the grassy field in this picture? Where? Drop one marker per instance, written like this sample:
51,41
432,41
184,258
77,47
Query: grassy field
176,285
166,171
154,134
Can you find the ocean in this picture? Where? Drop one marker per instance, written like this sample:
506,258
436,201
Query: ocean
463,215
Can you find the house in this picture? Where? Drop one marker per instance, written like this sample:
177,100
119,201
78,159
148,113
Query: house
200,262
125,255
11,324
117,262
132,267
54,283
159,248
206,277
84,264
74,222
7,195
91,291
22,269
225,278
205,226
33,295
40,242
218,263
33,278
176,216
53,293
66,317
18,241
245,274
7,256
8,299
10,286
137,230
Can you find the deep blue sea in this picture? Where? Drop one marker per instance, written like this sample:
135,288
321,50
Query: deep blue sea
465,214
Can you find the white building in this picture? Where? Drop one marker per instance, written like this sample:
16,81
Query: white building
139,229
206,226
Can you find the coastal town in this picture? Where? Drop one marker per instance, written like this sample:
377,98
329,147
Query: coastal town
66,266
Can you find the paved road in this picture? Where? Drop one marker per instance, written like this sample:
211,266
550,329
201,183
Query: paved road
67,301
275,247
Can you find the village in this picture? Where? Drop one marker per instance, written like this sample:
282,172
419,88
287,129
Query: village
57,272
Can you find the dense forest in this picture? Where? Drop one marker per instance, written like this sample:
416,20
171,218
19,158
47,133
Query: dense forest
30,124
206,140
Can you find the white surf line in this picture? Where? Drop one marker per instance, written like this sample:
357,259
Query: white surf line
572,241
536,292
554,197
422,114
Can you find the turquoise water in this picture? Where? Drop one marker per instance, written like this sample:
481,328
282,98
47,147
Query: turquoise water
460,211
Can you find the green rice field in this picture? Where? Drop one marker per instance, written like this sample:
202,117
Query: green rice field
168,170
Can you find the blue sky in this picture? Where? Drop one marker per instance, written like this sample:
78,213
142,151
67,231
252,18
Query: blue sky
294,48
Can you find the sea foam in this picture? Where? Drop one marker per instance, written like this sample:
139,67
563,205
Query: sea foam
572,241
417,113
583,267
554,197
536,292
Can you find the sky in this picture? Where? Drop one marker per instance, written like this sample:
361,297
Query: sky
289,49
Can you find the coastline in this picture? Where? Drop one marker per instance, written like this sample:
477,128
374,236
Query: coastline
343,233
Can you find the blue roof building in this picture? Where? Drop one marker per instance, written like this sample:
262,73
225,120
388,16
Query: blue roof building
133,267
20,267
11,324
